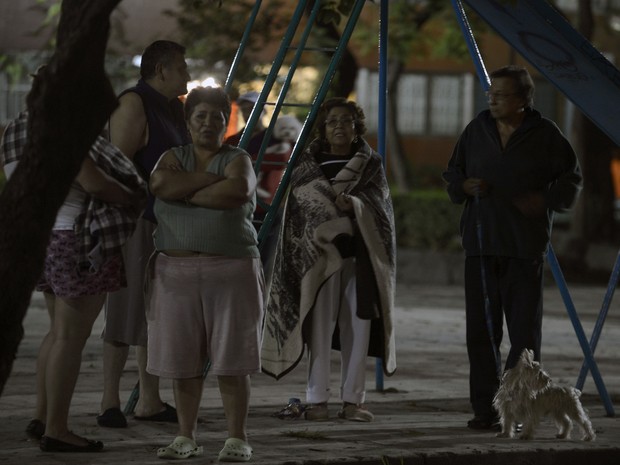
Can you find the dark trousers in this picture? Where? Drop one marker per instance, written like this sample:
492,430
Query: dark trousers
515,288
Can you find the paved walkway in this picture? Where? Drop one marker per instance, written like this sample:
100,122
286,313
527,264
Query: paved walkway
420,415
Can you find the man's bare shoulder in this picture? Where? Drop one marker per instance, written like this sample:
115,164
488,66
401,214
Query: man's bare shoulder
128,125
130,104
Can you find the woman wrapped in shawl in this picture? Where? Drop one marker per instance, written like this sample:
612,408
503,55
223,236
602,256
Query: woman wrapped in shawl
333,278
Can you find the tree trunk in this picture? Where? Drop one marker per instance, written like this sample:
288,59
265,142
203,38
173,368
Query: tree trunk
68,106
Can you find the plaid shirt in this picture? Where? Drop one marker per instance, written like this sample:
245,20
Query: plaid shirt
14,139
102,227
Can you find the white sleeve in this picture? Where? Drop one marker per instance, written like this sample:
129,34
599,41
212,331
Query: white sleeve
9,168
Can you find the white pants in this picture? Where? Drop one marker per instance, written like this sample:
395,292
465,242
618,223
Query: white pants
336,303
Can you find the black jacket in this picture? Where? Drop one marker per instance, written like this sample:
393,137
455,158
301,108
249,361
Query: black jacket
537,158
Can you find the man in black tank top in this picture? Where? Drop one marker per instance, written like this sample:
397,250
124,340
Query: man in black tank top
148,121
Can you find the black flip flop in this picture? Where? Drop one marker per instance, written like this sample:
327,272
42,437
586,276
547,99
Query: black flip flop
169,414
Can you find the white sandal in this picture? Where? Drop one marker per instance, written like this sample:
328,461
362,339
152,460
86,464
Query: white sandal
235,450
181,448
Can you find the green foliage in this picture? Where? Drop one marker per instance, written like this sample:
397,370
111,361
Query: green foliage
406,20
49,25
426,219
212,34
452,45
13,67
407,34
16,66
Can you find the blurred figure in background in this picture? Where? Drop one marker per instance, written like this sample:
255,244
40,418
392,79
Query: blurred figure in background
285,132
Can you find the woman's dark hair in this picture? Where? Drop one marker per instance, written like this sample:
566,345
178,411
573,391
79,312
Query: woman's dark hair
522,79
160,51
212,95
356,112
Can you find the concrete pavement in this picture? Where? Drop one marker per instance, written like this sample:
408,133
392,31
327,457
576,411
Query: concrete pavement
420,415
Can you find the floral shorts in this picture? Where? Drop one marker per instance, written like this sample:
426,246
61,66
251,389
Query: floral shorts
61,276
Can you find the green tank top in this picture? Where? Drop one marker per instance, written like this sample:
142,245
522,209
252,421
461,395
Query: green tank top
188,227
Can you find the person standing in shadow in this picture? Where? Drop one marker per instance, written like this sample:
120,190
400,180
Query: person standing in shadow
83,262
148,121
512,169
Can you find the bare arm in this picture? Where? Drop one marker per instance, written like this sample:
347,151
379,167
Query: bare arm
128,128
98,184
233,191
169,181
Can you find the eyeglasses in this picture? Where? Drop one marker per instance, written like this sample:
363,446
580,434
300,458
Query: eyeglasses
332,123
499,97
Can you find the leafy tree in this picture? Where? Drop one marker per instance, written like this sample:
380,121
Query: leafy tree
17,65
328,35
421,28
212,35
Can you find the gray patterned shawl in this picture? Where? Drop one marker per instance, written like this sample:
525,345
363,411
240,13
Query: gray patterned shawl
306,256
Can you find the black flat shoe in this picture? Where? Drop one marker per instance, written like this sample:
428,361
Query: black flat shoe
35,429
112,418
55,445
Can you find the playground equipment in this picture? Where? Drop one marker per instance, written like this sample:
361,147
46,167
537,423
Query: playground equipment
533,28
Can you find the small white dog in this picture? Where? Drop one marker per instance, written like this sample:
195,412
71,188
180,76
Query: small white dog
526,394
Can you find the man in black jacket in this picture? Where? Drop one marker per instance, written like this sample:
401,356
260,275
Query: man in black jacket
513,169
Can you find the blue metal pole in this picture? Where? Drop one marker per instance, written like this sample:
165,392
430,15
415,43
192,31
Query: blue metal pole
273,75
244,40
581,335
383,90
471,44
309,122
381,139
598,327
301,47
